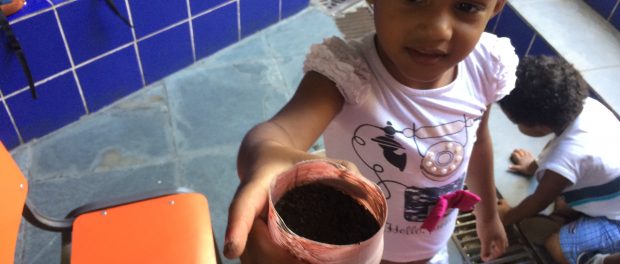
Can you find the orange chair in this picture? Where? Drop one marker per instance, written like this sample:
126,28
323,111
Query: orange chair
12,7
165,226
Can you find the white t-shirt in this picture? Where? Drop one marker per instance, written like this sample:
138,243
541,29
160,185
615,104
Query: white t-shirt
415,144
586,154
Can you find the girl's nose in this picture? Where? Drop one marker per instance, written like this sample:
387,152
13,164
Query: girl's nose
435,26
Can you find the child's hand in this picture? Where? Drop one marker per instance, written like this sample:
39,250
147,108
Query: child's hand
502,209
247,212
493,241
261,249
247,234
523,162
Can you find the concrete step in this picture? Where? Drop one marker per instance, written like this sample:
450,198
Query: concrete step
583,37
608,9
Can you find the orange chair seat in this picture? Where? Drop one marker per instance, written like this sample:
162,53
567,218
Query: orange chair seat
13,192
169,229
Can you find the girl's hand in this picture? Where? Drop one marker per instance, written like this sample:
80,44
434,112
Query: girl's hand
523,162
260,249
269,149
493,241
246,207
247,234
247,214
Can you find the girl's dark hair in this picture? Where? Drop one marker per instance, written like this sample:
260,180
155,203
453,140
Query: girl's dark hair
548,91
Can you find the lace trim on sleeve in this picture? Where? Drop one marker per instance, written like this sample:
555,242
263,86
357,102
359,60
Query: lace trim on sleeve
341,63
504,67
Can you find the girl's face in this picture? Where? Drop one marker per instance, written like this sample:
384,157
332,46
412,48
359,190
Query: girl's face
530,130
421,41
534,131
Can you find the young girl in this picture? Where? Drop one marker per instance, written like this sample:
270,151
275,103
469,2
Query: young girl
408,107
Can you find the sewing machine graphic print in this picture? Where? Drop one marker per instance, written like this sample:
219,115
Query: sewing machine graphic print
439,149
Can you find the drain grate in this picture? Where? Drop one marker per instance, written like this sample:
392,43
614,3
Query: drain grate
356,23
352,17
335,7
466,239
519,251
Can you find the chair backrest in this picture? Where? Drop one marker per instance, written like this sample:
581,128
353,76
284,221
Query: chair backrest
13,191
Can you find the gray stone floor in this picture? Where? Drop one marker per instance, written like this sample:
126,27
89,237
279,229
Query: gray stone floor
185,131
181,131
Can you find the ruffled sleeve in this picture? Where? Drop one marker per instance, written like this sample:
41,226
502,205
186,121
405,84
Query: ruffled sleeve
502,68
342,63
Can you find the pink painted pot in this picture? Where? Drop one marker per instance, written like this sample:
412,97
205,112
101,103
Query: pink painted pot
356,186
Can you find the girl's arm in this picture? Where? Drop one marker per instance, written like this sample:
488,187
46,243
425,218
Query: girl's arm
293,130
549,188
269,149
480,181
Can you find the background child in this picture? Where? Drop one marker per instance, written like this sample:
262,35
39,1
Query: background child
580,163
408,107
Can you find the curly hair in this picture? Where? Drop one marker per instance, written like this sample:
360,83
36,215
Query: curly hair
549,91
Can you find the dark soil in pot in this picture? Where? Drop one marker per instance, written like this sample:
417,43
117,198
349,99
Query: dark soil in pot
321,213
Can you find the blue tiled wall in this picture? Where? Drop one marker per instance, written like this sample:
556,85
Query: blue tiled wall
525,38
608,9
603,7
510,24
615,19
83,57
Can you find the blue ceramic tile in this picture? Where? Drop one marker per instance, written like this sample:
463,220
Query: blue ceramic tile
8,136
31,7
215,30
541,47
44,49
92,28
603,7
291,7
166,53
58,104
615,19
258,14
199,6
511,25
110,78
154,15
491,25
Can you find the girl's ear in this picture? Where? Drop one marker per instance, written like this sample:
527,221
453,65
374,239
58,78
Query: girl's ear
498,6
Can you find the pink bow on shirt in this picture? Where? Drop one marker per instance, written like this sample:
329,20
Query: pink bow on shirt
461,199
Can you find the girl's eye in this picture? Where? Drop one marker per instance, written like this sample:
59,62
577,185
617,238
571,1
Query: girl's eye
469,8
418,1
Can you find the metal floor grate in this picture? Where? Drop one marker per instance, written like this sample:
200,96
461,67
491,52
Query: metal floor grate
466,240
352,17
335,7
519,251
356,23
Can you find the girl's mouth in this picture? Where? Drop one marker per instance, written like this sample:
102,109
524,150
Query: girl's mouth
425,56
